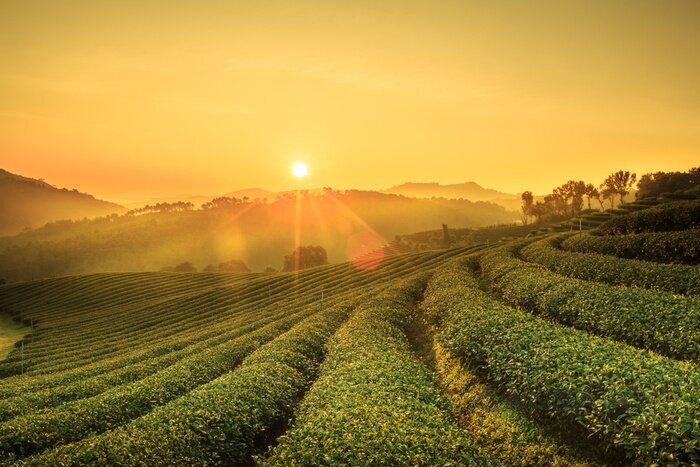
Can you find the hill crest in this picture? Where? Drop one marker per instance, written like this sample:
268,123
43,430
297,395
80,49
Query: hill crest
29,203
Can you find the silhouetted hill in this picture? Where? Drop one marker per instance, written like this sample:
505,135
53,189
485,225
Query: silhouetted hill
198,200
347,224
29,203
251,193
468,190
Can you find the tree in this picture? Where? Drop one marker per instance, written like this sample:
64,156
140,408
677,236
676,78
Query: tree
185,267
163,207
654,184
619,183
579,191
540,211
595,193
223,202
305,257
235,265
609,194
590,191
572,190
527,199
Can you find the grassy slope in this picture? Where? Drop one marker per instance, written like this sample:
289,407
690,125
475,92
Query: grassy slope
10,332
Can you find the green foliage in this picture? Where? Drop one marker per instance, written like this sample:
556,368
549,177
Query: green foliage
74,420
374,403
234,265
635,402
675,278
203,369
492,421
654,184
681,247
113,350
304,257
185,267
681,215
662,322
220,421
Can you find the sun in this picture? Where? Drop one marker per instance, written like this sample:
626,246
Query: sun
300,170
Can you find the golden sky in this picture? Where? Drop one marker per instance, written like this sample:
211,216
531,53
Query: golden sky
148,98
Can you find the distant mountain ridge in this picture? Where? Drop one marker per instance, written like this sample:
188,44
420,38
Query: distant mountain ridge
346,223
29,203
467,190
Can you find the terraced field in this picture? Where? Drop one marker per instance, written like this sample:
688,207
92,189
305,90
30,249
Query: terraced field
556,349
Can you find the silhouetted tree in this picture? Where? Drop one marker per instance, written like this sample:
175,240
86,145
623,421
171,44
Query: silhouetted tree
527,200
235,265
572,190
305,257
185,267
224,202
163,207
654,184
619,183
591,192
609,194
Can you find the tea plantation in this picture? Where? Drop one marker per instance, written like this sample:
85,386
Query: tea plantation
560,348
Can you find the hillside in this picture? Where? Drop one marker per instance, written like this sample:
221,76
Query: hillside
29,203
468,190
198,200
235,369
346,224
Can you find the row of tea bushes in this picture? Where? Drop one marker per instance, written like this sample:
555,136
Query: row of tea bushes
681,247
221,421
374,403
639,405
674,278
668,324
681,215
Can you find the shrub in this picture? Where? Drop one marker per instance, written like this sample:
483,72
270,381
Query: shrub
220,421
185,267
305,257
675,278
639,403
662,322
681,247
680,215
235,265
374,402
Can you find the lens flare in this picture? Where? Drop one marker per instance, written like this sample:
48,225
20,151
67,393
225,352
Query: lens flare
365,250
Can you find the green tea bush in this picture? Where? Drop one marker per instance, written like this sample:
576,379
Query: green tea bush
374,403
675,278
72,421
634,402
220,421
682,247
666,323
680,215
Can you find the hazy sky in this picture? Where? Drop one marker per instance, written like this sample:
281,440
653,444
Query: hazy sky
138,98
